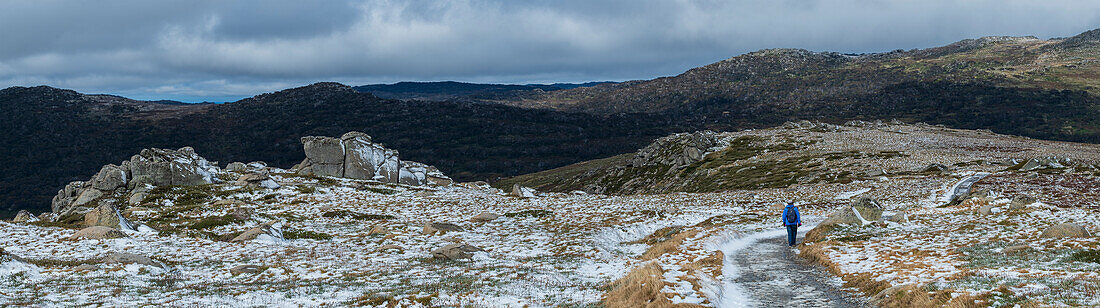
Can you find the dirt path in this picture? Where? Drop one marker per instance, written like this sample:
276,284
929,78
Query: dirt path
762,271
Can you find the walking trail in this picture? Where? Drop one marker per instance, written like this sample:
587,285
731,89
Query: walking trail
762,271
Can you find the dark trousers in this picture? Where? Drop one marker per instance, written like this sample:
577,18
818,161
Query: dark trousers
792,231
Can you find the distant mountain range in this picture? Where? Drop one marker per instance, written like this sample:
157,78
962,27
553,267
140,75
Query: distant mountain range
444,90
53,136
1013,85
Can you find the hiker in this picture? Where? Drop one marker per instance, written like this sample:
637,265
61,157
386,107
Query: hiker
792,220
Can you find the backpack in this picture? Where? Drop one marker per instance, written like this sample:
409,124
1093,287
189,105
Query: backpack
792,215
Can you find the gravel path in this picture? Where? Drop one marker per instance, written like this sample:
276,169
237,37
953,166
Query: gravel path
762,271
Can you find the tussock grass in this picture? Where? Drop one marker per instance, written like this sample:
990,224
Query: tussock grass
640,288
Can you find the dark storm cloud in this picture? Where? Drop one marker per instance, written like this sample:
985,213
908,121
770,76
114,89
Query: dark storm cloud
219,49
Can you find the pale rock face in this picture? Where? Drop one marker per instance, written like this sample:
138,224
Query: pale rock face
325,155
168,167
109,178
104,215
66,196
89,195
235,167
355,156
367,161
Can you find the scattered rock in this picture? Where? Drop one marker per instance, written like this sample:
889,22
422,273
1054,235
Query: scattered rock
229,202
4,257
1020,202
484,217
1066,230
440,227
98,233
935,168
355,156
522,192
235,167
246,269
900,218
270,230
24,216
129,258
874,173
455,252
137,198
865,207
241,213
86,268
379,230
391,247
986,210
257,180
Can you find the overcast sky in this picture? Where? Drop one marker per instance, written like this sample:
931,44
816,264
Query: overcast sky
226,50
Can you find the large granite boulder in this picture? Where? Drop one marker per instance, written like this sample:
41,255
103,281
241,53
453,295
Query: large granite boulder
1066,230
106,215
109,178
24,216
324,156
365,160
355,156
862,211
173,167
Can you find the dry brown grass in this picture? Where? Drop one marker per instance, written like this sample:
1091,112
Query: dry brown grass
641,288
669,246
817,234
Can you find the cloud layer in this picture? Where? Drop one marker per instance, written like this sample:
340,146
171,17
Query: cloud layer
222,50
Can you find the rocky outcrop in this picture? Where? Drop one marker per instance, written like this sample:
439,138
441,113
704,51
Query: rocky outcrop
677,150
354,156
151,167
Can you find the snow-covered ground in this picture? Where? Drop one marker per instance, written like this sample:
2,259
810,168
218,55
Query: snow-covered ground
351,242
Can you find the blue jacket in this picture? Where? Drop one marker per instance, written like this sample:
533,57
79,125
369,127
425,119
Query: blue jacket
797,216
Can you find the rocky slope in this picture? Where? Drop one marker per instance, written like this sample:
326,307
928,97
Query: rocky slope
800,153
978,232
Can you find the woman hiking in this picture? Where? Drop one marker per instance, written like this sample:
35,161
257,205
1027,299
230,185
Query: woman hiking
792,220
